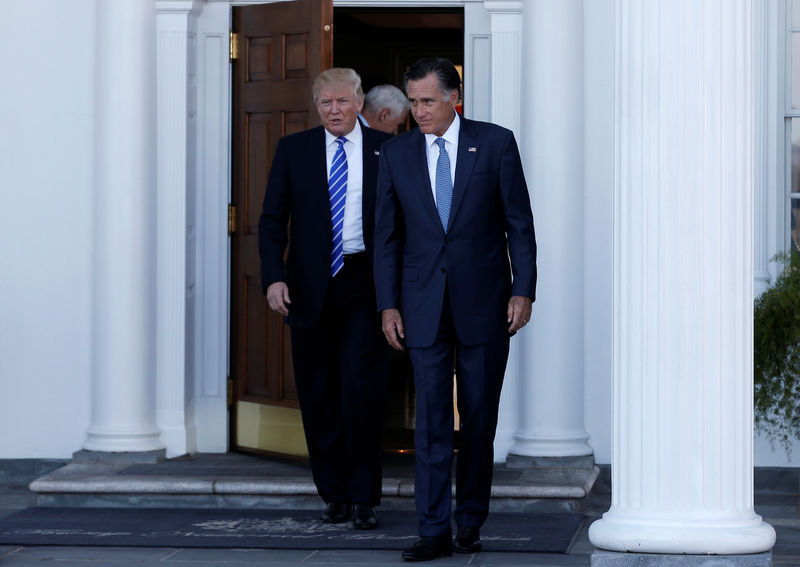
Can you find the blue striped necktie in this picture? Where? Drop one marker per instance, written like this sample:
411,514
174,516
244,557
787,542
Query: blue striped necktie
444,185
337,191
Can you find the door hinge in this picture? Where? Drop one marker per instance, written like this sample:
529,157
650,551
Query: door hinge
230,392
234,46
231,219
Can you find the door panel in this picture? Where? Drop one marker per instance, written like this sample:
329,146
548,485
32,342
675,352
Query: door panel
282,48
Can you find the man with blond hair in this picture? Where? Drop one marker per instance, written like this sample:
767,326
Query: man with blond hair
320,200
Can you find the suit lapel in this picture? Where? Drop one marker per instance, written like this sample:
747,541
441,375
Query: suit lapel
420,178
467,153
318,155
370,154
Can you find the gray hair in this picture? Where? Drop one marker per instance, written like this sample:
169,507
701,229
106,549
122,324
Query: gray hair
385,96
337,76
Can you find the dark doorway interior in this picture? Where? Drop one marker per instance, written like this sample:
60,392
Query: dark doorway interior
381,44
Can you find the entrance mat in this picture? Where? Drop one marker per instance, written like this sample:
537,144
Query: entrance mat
266,529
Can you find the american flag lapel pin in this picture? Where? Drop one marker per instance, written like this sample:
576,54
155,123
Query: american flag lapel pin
377,152
472,149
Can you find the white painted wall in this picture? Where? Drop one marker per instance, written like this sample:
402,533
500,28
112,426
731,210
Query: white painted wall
46,125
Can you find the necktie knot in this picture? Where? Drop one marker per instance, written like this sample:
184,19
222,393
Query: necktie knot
440,143
341,140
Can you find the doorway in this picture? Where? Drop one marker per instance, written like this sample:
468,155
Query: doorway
396,38
380,43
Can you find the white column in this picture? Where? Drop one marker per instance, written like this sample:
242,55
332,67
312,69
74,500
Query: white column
176,96
551,383
682,471
124,300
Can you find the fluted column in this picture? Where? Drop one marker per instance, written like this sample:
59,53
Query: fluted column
176,96
124,295
551,348
682,471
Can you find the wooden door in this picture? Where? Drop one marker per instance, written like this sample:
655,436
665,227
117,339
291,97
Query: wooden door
281,49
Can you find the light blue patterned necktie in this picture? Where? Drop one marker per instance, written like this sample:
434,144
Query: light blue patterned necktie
444,185
337,191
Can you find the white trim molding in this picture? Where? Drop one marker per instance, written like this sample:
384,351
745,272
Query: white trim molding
213,189
761,94
176,22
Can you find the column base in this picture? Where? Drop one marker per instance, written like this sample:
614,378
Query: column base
742,534
111,441
556,446
613,559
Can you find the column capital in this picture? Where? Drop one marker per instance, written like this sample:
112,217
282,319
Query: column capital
178,7
503,6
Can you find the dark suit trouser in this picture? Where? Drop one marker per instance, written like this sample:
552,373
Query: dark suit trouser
341,376
479,379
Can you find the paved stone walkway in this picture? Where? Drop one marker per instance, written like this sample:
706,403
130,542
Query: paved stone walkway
779,510
786,552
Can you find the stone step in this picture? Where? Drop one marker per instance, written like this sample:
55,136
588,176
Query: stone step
246,481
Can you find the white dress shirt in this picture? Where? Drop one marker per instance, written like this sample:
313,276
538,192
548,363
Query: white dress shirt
450,144
352,232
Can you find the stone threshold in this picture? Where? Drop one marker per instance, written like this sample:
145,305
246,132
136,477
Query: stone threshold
214,481
101,478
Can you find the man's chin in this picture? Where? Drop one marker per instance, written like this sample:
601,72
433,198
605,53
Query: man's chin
339,129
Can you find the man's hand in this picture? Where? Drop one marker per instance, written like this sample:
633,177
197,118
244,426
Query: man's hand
278,298
393,328
519,312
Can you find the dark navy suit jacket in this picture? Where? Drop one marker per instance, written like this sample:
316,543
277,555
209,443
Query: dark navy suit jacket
488,253
297,191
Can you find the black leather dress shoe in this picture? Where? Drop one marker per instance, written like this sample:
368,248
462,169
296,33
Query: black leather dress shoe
364,517
468,540
336,513
427,548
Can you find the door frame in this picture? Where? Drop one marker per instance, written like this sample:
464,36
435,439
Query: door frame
492,67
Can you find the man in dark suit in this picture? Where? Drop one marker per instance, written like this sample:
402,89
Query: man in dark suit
453,225
322,187
385,108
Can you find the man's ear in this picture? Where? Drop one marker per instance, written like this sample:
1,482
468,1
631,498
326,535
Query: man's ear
383,115
453,99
